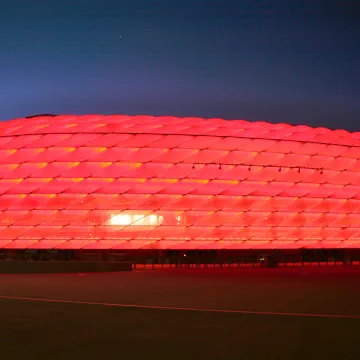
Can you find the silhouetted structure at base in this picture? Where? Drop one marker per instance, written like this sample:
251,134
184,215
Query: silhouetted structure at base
28,267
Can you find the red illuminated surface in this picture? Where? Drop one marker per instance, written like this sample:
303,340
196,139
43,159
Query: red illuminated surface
120,182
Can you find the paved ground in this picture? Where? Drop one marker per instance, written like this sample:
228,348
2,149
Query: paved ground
79,330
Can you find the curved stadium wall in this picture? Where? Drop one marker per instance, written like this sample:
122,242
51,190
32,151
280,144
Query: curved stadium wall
141,182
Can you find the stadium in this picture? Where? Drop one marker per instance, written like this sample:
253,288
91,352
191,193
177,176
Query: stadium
143,184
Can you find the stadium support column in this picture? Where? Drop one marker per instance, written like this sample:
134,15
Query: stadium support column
347,261
104,255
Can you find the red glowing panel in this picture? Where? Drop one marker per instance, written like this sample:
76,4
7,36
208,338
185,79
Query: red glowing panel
142,182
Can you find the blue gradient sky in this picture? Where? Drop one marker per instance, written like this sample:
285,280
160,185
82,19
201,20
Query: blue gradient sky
280,61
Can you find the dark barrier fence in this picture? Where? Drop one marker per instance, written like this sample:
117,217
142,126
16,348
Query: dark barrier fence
237,265
32,267
154,259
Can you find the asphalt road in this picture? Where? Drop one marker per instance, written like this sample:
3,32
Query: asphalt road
172,314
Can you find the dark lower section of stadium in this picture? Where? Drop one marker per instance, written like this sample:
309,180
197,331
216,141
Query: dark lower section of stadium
158,258
36,267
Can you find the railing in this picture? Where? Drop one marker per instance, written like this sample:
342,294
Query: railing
238,265
194,266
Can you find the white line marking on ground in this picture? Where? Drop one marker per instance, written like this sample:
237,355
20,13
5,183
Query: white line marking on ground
226,311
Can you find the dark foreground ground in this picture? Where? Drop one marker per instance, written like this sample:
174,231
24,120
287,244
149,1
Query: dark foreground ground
45,330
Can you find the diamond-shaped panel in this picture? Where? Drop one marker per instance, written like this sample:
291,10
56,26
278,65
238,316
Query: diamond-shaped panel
142,182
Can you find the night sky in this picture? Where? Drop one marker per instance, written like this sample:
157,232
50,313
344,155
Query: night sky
279,61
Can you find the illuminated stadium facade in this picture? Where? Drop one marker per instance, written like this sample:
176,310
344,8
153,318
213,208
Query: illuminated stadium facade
122,182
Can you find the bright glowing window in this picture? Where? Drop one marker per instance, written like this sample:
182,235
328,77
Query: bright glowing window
121,219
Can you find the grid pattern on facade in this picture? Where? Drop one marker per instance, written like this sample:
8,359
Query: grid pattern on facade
141,182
